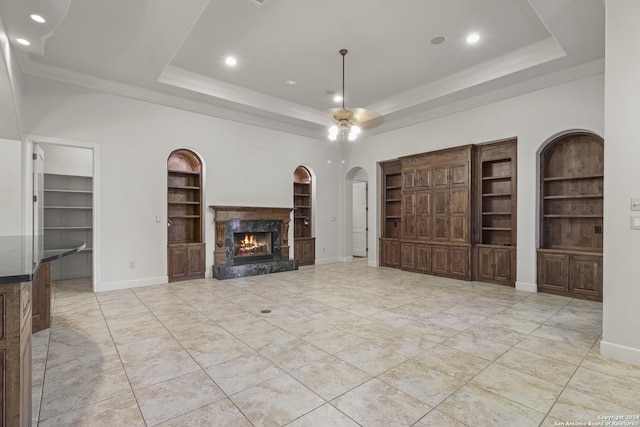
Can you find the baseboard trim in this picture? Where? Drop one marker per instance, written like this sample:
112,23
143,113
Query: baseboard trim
320,261
126,284
528,287
372,262
620,352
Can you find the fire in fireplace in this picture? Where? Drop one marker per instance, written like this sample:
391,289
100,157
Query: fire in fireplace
252,244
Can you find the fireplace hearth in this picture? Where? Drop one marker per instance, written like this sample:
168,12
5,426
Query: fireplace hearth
251,241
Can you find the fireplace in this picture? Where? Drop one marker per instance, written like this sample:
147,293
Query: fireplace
249,247
251,241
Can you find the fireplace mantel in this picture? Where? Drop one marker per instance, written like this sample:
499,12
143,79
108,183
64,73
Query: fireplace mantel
230,219
227,213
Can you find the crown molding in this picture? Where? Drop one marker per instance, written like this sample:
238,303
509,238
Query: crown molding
315,132
80,79
512,62
553,79
196,82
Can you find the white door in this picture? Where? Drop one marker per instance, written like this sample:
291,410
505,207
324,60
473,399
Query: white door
359,218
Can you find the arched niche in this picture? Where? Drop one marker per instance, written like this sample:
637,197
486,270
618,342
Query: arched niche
185,241
303,241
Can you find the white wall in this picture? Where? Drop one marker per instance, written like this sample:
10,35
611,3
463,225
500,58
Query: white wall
11,188
64,160
10,93
621,321
532,118
244,166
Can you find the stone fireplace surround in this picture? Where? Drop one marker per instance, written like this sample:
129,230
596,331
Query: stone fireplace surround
245,219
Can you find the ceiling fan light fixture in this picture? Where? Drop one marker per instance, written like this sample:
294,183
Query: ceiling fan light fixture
344,126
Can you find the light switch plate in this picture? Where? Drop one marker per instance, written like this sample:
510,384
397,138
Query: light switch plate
635,203
635,223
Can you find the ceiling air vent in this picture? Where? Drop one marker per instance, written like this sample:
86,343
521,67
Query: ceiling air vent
256,3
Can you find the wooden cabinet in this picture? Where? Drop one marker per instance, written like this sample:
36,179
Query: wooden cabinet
15,352
390,253
449,261
578,275
305,250
571,213
68,214
436,209
495,234
185,251
495,265
452,212
304,244
186,261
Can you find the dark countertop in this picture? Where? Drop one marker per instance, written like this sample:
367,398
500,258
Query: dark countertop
20,256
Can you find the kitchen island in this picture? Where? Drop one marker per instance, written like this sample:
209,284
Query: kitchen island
25,306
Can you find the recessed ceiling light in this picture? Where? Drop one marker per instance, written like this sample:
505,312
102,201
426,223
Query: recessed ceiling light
23,42
291,82
473,38
231,61
438,40
337,98
39,19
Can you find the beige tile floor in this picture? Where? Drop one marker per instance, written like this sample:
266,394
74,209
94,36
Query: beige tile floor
343,345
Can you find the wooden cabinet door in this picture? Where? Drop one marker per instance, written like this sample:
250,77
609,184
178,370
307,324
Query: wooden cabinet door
440,229
305,250
552,272
423,258
440,176
502,265
440,259
178,261
423,215
390,253
409,214
195,260
585,274
494,265
459,174
459,215
408,180
485,264
423,179
408,260
459,262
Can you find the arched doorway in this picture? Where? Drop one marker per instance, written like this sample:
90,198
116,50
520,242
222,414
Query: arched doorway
356,213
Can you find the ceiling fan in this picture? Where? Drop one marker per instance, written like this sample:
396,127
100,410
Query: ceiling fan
348,123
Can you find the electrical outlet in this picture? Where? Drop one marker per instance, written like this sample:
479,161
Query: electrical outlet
132,264
635,222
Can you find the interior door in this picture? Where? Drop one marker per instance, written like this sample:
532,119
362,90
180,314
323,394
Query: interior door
359,218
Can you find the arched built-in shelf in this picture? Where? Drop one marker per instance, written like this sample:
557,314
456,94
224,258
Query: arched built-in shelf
304,244
571,216
186,248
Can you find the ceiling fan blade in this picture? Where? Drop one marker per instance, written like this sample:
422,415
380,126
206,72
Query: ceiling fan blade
362,117
367,119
